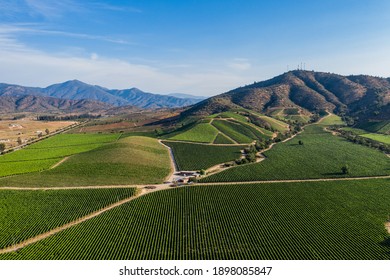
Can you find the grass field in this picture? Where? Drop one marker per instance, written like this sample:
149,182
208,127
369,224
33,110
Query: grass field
132,160
25,214
202,132
196,157
325,220
44,154
322,155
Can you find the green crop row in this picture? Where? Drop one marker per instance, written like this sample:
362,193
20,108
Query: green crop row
202,132
25,214
378,137
322,220
222,139
196,156
132,160
42,155
237,132
322,155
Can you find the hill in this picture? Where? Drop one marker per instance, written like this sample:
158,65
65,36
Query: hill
32,103
77,90
360,97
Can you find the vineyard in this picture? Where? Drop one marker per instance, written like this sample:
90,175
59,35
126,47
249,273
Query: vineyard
322,155
25,214
42,155
132,160
275,124
378,127
196,157
324,220
235,131
332,120
202,132
222,139
378,137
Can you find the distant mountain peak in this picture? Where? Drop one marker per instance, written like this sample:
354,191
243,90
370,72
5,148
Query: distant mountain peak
78,90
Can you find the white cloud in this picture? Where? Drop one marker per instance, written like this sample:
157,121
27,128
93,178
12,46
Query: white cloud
240,64
40,30
34,68
52,9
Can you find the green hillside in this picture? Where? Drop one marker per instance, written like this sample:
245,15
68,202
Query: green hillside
322,155
131,160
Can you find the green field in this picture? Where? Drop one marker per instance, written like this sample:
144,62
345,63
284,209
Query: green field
237,132
222,139
378,126
276,124
324,220
202,132
378,137
356,131
233,115
132,160
332,120
384,138
25,214
44,154
322,155
196,157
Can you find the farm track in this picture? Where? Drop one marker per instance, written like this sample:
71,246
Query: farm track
206,144
174,168
234,141
217,168
160,187
142,192
45,235
60,162
387,226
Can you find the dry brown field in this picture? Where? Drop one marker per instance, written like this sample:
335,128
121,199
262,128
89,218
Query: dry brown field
27,129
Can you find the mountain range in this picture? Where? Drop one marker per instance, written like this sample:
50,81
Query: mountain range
359,96
75,93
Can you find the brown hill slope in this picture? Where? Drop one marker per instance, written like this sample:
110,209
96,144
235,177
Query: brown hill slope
362,97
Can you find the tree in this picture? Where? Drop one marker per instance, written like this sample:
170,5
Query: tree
2,147
251,157
202,172
345,169
300,142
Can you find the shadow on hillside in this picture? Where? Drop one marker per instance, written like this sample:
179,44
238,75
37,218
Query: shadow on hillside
386,243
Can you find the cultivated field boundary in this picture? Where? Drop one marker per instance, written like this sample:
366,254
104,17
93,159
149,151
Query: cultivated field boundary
18,246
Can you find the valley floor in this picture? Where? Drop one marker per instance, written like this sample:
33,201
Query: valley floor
295,204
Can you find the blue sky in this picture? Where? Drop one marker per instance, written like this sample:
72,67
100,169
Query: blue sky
202,47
